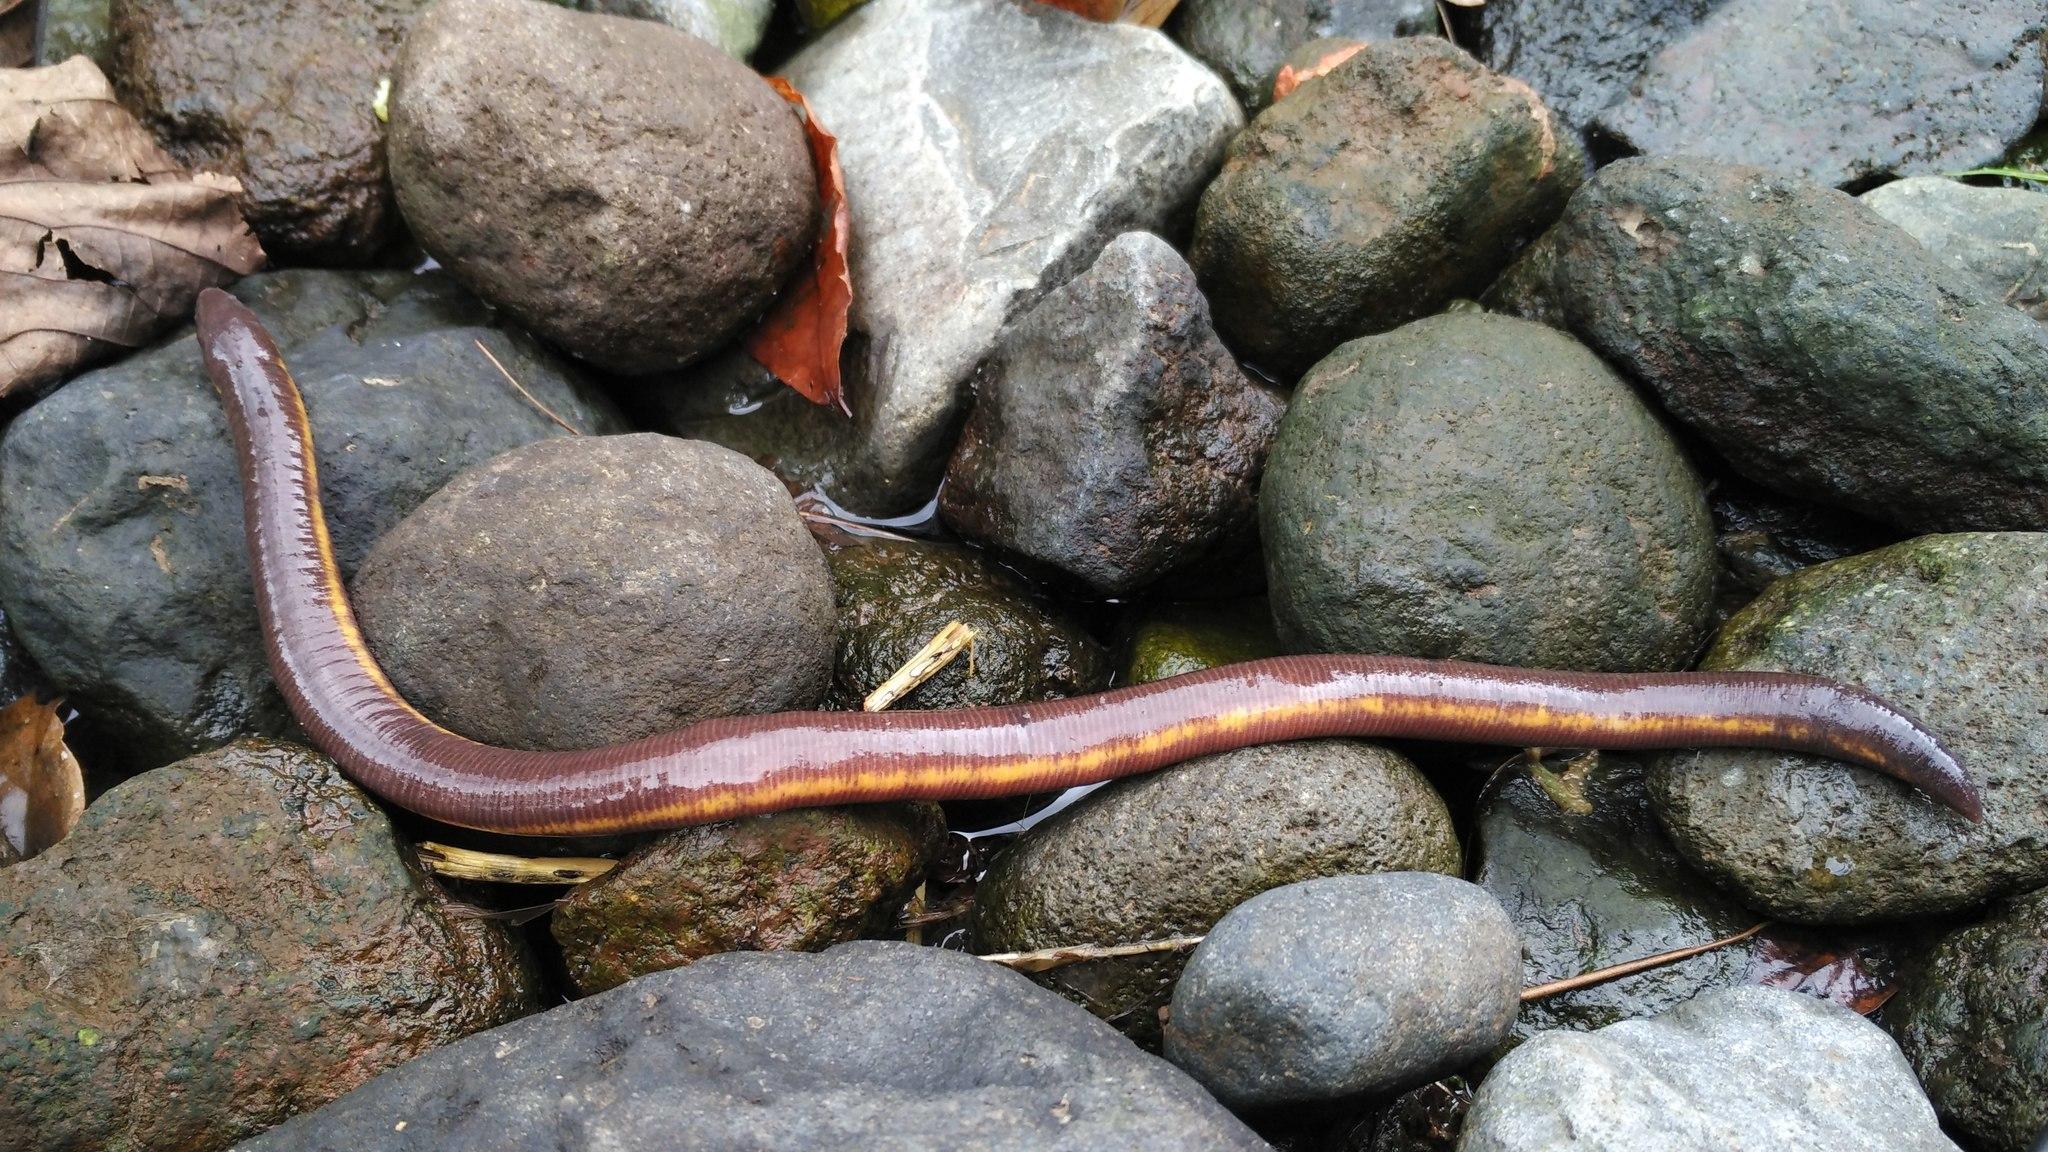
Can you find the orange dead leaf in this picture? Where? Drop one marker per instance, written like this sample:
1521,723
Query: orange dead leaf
800,338
1291,77
1145,13
42,791
1856,972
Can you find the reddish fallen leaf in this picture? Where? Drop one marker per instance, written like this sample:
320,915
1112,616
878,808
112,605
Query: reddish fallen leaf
1145,13
800,338
104,240
1291,77
42,791
1857,974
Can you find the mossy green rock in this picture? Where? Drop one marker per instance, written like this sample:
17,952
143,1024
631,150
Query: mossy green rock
75,28
223,943
1483,488
1175,639
789,881
1950,628
1972,1025
895,595
1169,853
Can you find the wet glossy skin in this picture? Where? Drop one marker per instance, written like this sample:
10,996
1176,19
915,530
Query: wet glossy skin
719,769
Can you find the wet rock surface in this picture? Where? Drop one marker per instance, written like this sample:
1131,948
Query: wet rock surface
1345,986
1482,488
1174,639
122,564
1170,853
1970,1024
1845,91
690,182
276,95
1948,628
582,591
789,881
1582,55
895,595
1246,43
991,149
1694,1078
735,26
1406,177
220,944
76,28
1996,236
868,1044
1761,536
1112,435
1819,349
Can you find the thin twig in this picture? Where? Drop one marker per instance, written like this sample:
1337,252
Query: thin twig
1630,968
1046,959
530,397
468,864
938,652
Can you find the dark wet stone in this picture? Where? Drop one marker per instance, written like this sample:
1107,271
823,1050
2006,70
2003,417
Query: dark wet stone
1174,639
686,188
576,592
790,881
1345,986
1246,42
1113,437
1733,1068
277,94
1951,629
220,944
1482,488
1169,853
1761,535
1997,237
1970,1024
76,28
868,1045
1406,177
1582,55
895,595
122,564
1844,91
1814,344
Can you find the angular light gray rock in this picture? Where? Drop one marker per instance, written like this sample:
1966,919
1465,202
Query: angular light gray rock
1820,349
1478,487
1406,177
122,565
1170,853
1734,1068
625,189
1951,628
1113,437
1346,986
735,26
1843,91
1581,54
869,1045
1995,236
1245,42
581,591
991,149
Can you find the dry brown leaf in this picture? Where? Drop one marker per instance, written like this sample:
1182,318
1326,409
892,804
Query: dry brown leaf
42,791
104,241
800,338
1145,13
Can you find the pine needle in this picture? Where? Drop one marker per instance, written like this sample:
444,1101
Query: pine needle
1630,968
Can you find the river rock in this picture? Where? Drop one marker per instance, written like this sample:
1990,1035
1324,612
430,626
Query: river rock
1246,43
627,190
1113,437
788,881
1809,340
1970,1024
1951,629
1167,854
1173,639
1406,177
122,565
1582,55
991,149
1734,1068
222,943
1761,535
1996,236
869,1045
277,94
1345,986
76,28
1845,91
1482,488
735,26
895,595
583,591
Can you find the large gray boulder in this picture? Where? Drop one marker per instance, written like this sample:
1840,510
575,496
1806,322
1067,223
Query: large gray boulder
1582,54
1997,237
735,26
